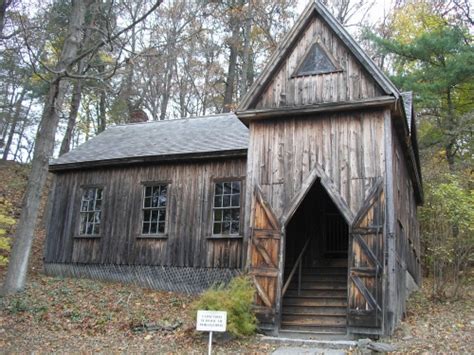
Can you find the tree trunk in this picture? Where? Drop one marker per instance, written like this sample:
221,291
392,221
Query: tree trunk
16,117
231,73
450,147
244,83
234,51
102,112
170,64
22,131
71,122
3,9
44,146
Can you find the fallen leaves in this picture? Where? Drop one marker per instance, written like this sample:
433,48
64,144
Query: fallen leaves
436,327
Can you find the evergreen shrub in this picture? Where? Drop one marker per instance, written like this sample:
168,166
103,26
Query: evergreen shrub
236,299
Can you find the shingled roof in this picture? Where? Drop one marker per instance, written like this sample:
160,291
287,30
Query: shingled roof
158,140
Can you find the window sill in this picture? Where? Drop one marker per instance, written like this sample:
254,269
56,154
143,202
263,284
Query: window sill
224,236
294,76
87,237
152,236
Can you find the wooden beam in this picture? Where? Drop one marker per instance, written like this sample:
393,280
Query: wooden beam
292,111
367,295
368,251
299,197
263,253
263,271
261,293
327,183
389,286
374,191
337,199
174,158
266,206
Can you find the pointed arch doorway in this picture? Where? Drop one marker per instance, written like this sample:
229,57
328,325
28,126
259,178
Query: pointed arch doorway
314,293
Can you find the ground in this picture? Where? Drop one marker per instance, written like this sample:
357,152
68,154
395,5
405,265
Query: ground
72,315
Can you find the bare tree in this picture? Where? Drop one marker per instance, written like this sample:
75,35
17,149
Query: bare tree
346,10
4,4
44,144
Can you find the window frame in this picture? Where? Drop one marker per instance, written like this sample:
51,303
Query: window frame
83,188
144,185
334,62
212,195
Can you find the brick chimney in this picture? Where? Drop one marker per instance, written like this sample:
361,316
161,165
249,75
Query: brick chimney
138,116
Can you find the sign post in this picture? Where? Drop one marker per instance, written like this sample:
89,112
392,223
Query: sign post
211,321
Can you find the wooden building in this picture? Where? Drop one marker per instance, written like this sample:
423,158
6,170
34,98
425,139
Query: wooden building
311,187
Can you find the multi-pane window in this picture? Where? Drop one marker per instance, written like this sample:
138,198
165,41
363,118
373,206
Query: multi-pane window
91,211
226,209
155,199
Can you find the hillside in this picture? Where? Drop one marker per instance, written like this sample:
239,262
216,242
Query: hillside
72,315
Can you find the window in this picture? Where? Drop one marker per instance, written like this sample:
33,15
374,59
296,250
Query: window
226,210
316,61
91,211
155,200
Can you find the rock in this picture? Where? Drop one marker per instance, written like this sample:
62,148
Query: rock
407,337
382,347
363,343
222,338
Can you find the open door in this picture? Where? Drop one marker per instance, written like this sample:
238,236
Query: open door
366,262
264,253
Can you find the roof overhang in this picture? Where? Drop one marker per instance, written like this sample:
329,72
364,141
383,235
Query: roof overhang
305,110
410,150
130,161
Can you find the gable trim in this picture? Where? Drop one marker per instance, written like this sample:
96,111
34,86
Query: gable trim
273,63
287,44
317,174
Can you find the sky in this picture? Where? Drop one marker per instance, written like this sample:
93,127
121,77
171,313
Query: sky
375,14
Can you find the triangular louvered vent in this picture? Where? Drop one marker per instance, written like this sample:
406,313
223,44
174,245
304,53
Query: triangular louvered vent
316,61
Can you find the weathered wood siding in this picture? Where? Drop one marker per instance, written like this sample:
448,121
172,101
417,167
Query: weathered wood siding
346,150
347,147
352,82
189,217
408,234
406,230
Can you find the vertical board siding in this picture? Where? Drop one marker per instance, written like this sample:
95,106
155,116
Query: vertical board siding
406,230
348,147
351,83
188,220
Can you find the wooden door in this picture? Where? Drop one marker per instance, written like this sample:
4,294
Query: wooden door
366,259
264,256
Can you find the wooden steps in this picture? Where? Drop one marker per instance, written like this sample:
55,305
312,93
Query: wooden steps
321,305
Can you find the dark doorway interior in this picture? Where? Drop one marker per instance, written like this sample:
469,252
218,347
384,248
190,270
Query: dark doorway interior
316,297
318,219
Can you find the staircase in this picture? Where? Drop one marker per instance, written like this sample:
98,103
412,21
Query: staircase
321,306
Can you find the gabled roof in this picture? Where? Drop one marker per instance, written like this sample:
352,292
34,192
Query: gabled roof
220,135
286,46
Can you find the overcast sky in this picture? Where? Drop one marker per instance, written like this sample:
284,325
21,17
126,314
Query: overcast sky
375,14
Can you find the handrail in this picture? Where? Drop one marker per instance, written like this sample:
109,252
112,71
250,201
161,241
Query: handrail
292,273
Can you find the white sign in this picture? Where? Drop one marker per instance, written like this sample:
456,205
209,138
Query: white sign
211,321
